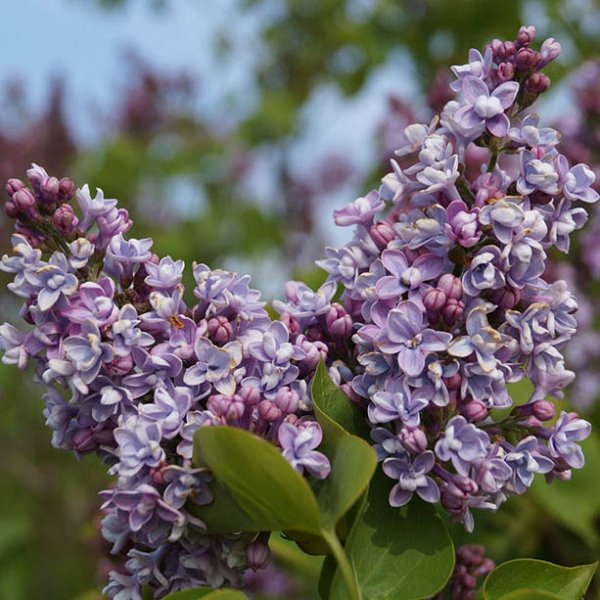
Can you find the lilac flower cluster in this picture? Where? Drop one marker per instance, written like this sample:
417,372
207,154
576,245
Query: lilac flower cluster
447,299
581,143
471,565
132,372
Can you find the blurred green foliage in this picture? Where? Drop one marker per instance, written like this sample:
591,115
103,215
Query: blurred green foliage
155,156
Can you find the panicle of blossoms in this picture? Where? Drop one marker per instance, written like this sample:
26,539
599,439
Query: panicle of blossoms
581,143
471,565
132,371
444,289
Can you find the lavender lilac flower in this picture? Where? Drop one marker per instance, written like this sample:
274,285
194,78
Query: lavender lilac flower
446,284
132,372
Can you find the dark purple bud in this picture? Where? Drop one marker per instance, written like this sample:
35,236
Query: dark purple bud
526,35
461,486
544,410
413,439
250,395
537,83
503,51
25,204
287,400
505,72
218,404
382,233
314,334
14,185
526,60
291,323
453,383
434,300
121,365
269,411
220,329
84,442
468,581
49,190
10,210
338,321
506,297
258,554
471,554
450,285
36,176
65,219
474,411
358,400
66,189
453,311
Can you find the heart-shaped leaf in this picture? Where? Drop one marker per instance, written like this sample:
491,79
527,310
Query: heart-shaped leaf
575,503
568,583
262,483
396,553
331,404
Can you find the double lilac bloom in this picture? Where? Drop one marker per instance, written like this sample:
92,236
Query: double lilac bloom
407,336
483,108
412,478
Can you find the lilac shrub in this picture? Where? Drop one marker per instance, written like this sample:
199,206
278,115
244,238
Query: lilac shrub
132,372
445,284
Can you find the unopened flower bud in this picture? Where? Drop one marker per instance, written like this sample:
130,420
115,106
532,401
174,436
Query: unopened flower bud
84,442
258,554
526,60
434,300
291,323
413,439
450,285
220,329
382,233
453,383
339,322
453,311
505,72
269,411
13,186
548,52
543,410
250,395
526,35
25,204
49,190
287,400
537,83
119,366
10,210
65,219
506,297
66,189
474,411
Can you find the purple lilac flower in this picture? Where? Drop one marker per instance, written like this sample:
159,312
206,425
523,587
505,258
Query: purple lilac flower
298,444
525,460
481,107
53,281
462,443
397,401
215,365
138,446
562,443
484,273
407,336
412,477
362,210
165,275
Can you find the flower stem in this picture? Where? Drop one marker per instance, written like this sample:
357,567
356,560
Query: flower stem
344,565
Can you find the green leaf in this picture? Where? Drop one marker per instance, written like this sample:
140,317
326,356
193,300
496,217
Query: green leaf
397,553
575,503
353,463
205,593
261,481
530,595
333,407
568,583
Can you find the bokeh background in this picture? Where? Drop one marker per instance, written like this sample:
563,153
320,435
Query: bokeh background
230,129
